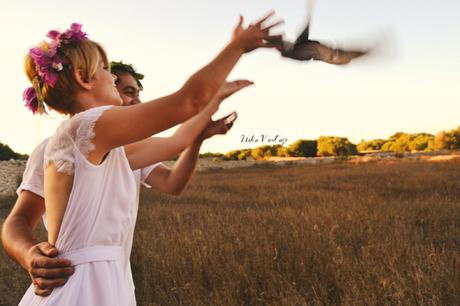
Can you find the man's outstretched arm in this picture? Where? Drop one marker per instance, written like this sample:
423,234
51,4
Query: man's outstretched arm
174,180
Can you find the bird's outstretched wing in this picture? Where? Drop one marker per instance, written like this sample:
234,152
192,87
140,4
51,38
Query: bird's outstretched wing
335,56
303,37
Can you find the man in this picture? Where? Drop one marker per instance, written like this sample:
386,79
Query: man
39,258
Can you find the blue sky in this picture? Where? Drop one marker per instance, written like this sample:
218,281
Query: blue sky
411,85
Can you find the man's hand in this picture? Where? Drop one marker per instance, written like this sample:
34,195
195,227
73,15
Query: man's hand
255,35
218,127
229,88
46,271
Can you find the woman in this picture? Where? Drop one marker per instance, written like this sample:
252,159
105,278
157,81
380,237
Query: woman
97,148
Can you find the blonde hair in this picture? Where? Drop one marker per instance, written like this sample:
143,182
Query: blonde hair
83,55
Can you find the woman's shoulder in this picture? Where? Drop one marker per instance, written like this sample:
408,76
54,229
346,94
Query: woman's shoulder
91,112
84,120
76,132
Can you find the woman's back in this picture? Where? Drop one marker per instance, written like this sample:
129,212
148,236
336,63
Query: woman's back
97,218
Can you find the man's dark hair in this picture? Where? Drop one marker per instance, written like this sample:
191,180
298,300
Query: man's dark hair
120,67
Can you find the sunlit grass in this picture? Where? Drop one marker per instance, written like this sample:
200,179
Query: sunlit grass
343,234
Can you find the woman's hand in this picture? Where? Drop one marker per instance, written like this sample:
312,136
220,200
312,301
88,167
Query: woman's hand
255,35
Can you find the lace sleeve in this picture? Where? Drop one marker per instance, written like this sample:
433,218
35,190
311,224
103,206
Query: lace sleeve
85,130
73,134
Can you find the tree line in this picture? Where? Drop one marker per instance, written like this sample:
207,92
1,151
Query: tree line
326,146
340,146
6,153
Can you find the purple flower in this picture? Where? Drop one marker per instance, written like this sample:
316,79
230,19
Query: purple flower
30,96
74,34
47,64
53,34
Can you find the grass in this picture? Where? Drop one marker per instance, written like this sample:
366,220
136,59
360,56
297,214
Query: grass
338,234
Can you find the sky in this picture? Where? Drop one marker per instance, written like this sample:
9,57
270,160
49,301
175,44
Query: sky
409,84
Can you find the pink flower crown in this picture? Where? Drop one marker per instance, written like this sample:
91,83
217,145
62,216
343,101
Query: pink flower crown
48,65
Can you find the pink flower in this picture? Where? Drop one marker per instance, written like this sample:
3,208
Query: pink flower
47,64
30,96
74,34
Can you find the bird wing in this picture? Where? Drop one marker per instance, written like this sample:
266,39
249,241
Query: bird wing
335,56
304,36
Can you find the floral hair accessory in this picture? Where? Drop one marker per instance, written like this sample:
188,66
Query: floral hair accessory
48,65
74,34
34,102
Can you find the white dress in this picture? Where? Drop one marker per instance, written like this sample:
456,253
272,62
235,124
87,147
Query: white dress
96,232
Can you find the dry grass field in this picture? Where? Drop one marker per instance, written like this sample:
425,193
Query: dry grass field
375,233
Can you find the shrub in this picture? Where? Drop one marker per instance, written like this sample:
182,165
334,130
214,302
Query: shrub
335,146
6,153
303,148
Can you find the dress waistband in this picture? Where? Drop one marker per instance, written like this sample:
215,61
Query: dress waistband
92,254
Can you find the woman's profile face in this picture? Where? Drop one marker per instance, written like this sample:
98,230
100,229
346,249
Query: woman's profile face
104,88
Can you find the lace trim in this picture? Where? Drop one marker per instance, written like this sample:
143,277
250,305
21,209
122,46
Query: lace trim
85,130
74,133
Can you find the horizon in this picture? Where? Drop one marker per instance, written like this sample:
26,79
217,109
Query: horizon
408,86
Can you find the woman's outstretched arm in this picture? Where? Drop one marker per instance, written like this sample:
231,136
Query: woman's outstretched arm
120,126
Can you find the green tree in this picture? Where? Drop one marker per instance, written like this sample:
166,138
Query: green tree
371,145
446,141
6,153
232,155
420,142
265,151
335,146
244,154
303,148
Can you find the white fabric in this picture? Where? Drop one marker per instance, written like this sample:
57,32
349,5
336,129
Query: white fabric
33,176
76,132
100,213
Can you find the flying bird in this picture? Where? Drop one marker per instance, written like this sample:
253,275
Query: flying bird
304,49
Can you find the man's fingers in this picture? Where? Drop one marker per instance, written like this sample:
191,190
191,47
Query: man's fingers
49,284
52,272
239,84
268,15
230,118
47,262
42,292
234,86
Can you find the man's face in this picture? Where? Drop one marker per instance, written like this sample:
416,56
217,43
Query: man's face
128,89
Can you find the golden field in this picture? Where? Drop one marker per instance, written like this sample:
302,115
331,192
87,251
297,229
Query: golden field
374,233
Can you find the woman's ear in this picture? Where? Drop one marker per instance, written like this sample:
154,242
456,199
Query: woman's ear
81,80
